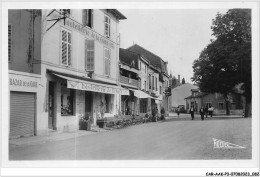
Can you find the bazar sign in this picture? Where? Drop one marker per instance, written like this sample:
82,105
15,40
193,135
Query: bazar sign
96,88
89,33
22,83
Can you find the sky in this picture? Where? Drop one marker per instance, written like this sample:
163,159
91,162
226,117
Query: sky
176,35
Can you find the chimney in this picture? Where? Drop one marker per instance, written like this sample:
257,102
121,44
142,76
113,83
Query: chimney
179,79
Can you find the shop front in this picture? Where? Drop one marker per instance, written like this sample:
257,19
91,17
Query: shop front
78,97
23,104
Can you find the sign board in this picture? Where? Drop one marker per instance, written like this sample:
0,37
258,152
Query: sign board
96,88
23,83
89,33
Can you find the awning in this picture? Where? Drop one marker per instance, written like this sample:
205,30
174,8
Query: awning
80,84
140,94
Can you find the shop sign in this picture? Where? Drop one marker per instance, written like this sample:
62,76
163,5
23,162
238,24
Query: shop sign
96,88
23,83
89,33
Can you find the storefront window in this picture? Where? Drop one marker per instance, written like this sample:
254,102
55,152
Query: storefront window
143,105
67,101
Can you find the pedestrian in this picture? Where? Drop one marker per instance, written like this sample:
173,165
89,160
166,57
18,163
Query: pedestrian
162,114
178,111
192,112
211,109
202,113
206,111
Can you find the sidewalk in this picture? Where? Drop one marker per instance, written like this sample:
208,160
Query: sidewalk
53,136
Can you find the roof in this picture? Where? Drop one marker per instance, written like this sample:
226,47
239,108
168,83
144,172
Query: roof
179,94
117,14
128,58
155,60
197,96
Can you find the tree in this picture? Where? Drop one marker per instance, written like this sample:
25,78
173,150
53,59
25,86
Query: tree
226,61
183,81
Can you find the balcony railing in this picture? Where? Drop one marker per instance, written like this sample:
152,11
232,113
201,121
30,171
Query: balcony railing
128,81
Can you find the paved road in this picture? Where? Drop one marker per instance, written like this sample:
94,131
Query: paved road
173,139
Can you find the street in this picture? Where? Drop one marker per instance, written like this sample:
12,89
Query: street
174,139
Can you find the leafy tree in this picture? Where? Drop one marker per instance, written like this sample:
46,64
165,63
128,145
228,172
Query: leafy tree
226,61
183,81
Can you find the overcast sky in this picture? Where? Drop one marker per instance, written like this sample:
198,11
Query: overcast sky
177,36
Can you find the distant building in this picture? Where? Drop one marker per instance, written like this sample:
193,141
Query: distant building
216,100
158,78
179,94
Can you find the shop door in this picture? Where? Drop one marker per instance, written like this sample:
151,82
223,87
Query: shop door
51,106
22,114
88,103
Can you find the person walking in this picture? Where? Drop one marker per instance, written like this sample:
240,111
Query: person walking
202,113
206,111
211,109
192,112
178,111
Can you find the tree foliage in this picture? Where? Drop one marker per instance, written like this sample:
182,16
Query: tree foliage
226,61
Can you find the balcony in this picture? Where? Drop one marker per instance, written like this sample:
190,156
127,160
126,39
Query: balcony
129,81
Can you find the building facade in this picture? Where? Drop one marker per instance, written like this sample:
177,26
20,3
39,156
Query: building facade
73,56
158,79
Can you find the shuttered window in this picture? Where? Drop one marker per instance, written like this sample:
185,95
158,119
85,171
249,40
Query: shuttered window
87,17
66,47
89,55
107,26
107,56
9,42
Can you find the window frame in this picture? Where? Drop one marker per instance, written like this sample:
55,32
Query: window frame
219,105
86,51
67,43
91,18
233,103
107,34
109,68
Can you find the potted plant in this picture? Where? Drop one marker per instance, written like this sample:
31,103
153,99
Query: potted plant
85,122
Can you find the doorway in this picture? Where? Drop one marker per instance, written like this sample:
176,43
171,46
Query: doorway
51,118
88,103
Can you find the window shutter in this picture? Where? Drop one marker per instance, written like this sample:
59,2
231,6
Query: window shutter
9,42
69,48
66,47
89,55
92,14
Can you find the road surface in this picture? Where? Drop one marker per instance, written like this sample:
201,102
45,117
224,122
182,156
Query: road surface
178,138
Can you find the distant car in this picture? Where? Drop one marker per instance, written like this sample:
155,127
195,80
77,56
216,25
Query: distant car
182,108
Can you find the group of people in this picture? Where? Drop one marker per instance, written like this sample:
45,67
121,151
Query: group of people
204,111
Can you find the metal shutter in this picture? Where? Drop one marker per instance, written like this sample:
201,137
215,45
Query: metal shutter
22,114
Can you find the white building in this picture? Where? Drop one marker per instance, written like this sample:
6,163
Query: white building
77,66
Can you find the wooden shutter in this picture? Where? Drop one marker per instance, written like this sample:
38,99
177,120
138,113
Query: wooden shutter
107,62
9,42
66,47
89,55
22,114
69,48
